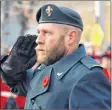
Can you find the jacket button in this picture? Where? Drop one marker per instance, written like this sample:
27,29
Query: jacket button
32,101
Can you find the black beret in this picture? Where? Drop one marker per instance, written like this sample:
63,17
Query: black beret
51,13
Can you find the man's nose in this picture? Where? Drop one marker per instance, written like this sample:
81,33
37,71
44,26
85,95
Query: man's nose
40,39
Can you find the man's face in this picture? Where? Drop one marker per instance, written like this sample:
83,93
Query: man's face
50,43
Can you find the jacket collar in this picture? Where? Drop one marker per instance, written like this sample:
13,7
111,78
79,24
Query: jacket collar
62,66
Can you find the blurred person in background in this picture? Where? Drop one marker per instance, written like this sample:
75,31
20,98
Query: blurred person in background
13,26
31,26
10,103
90,49
4,90
19,17
6,96
97,50
106,63
97,58
65,78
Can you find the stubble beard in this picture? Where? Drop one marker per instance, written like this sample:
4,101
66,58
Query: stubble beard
56,53
54,56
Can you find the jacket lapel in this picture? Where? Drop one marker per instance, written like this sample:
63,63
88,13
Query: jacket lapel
36,85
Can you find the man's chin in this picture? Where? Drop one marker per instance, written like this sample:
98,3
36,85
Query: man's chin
41,61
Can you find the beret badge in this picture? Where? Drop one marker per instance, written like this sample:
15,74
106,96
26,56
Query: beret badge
49,11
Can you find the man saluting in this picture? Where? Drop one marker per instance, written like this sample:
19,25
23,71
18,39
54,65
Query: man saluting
65,78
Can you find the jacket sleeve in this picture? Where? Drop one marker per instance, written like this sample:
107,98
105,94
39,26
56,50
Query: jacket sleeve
19,82
92,91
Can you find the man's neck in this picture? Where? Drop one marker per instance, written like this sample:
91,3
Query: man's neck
70,50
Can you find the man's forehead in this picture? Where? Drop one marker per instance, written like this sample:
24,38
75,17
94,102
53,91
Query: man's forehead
48,25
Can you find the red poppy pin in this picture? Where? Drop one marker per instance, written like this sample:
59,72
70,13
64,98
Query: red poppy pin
45,81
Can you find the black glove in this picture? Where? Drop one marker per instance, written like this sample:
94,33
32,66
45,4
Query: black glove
22,55
2,59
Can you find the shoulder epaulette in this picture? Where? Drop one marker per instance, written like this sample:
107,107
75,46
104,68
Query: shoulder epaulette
90,63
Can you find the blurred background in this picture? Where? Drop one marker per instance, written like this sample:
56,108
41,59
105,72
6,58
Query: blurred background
18,18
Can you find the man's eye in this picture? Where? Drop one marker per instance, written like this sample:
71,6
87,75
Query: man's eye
38,32
47,33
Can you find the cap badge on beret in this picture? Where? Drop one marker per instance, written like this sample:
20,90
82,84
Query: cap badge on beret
49,11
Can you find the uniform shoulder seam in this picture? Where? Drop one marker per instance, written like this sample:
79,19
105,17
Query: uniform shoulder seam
90,63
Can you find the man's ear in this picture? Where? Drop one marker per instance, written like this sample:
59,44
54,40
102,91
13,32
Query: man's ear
72,37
